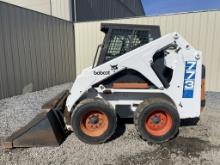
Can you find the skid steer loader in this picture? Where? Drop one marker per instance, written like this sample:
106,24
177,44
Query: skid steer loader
157,81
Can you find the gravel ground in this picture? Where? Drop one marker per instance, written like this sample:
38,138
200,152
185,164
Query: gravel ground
194,145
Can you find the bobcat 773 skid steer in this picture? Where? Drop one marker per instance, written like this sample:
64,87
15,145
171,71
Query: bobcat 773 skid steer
136,74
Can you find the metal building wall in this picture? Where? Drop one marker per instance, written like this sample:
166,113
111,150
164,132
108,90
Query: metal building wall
61,9
36,51
201,29
87,10
58,8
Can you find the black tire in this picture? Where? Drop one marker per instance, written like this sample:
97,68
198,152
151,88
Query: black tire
144,112
83,110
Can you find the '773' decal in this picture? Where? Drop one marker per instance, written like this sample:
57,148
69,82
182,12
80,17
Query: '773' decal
189,79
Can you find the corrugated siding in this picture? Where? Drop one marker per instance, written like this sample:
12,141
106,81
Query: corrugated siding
37,5
62,9
201,29
36,51
58,8
87,10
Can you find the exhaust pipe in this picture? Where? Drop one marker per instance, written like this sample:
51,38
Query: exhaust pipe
46,129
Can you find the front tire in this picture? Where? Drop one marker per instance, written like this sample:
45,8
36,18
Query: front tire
156,120
94,121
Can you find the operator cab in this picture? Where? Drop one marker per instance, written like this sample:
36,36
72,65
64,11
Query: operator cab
122,38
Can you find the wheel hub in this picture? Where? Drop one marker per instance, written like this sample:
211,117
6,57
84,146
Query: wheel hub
94,119
158,123
94,123
156,119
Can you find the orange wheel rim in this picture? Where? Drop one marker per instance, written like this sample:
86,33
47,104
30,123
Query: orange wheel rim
158,123
94,123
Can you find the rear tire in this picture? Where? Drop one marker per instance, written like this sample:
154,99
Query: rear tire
94,121
156,120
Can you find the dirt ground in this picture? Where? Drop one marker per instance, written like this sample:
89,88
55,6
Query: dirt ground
194,145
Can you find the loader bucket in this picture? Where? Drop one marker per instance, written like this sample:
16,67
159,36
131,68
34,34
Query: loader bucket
46,129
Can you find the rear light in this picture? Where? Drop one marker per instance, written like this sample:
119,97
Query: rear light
203,89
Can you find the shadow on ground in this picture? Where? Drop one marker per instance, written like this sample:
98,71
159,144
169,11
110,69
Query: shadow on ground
166,153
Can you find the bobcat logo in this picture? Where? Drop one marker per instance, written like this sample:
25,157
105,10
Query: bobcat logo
114,67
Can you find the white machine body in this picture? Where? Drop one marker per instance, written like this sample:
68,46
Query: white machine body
185,87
